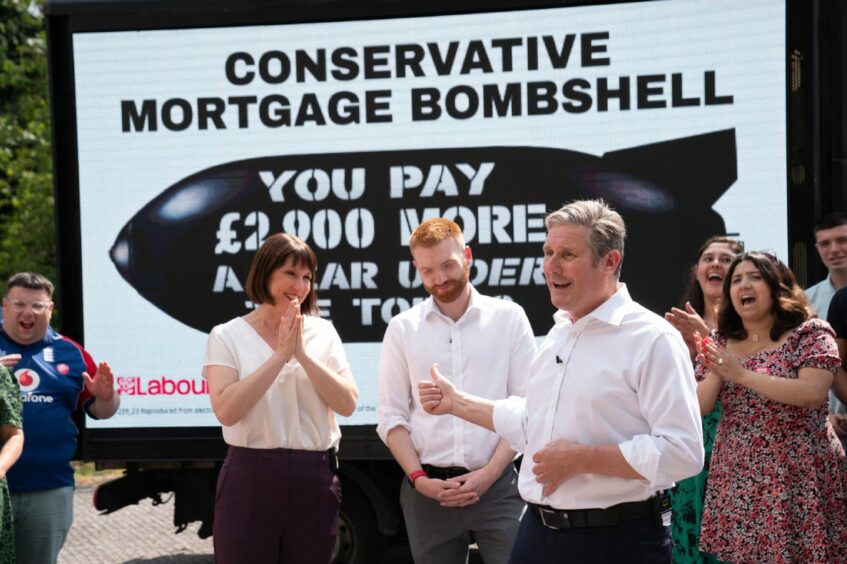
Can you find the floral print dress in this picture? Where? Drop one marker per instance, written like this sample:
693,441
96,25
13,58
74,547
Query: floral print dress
777,489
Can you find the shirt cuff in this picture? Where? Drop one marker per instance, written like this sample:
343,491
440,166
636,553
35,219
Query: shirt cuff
643,455
508,418
385,426
88,404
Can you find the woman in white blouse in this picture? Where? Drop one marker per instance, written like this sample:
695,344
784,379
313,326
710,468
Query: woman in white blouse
277,377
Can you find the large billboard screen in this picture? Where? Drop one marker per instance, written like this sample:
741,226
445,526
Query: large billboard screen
195,144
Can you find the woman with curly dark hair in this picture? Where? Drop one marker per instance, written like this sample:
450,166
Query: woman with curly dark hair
699,313
704,289
777,489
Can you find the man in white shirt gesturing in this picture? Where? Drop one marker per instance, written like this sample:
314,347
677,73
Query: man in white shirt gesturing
610,418
462,486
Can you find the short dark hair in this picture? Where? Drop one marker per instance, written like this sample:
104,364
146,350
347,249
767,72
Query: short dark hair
273,254
30,281
830,220
790,307
693,292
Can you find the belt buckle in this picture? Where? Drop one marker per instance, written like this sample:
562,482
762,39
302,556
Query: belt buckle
545,513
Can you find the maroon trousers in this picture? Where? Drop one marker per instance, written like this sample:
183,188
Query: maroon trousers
274,506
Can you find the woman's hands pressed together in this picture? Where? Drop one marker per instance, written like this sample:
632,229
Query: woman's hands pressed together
719,360
290,332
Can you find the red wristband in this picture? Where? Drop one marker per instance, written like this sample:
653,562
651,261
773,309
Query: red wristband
415,475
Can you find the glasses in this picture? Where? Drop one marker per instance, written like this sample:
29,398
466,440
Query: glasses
19,306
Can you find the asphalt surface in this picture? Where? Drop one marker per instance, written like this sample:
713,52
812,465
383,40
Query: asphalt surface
136,534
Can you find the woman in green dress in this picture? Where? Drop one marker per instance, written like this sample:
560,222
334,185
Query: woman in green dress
12,441
699,313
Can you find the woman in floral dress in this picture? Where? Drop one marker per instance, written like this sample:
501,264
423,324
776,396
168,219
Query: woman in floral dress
11,445
777,489
699,313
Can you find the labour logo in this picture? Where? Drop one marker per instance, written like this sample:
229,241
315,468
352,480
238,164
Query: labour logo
28,379
129,385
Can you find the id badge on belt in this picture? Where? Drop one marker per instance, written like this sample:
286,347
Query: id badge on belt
664,507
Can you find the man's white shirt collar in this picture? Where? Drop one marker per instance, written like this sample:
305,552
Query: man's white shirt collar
431,308
610,312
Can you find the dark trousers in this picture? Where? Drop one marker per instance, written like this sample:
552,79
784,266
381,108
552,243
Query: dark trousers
275,506
636,541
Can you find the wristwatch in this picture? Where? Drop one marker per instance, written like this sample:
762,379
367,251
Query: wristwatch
414,476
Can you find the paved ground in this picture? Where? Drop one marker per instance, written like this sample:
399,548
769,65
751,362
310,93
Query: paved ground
136,534
144,533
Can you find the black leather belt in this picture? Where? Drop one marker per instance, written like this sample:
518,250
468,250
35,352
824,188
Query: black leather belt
443,473
558,519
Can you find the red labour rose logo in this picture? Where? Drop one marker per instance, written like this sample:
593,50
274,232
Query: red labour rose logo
128,385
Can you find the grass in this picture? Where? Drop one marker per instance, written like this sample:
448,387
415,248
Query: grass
87,477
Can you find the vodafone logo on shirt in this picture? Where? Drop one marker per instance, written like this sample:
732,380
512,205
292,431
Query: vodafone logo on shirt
28,379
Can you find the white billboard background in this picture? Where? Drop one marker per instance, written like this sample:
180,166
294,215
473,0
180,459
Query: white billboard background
120,172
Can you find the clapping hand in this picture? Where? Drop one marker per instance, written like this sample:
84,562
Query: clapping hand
719,360
102,384
687,322
290,330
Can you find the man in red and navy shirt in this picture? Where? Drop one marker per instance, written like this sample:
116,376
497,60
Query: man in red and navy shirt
54,374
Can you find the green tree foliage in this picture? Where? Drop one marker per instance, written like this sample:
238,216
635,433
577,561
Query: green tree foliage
27,233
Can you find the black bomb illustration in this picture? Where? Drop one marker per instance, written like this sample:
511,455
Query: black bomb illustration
188,251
